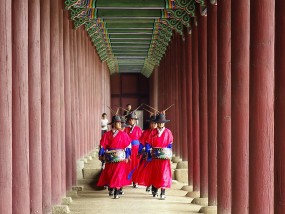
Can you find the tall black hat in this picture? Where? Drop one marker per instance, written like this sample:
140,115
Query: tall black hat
151,119
115,118
132,115
123,121
160,118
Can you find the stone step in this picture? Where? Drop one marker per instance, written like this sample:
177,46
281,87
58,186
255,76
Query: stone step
181,175
89,184
182,165
94,164
176,159
91,173
173,174
173,165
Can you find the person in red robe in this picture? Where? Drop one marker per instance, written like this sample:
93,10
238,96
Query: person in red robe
115,150
160,174
140,174
134,133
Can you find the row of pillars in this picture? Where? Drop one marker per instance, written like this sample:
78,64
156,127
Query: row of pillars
51,88
227,82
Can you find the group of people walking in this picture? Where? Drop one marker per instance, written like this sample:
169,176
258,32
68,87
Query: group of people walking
136,157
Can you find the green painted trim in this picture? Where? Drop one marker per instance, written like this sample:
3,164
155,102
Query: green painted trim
133,39
128,13
174,24
128,3
187,5
181,16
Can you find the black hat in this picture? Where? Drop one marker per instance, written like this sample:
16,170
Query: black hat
132,115
115,119
123,121
161,119
151,119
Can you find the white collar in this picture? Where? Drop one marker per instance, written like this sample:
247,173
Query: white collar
160,131
132,128
115,132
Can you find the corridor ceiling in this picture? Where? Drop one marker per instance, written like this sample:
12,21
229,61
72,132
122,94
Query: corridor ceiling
131,36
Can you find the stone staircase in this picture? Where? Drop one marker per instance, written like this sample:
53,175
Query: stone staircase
90,172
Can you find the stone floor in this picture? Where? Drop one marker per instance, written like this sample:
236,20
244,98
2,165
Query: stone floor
133,201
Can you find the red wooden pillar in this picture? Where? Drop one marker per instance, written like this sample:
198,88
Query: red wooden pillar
76,53
67,99
203,116
177,94
88,93
184,97
73,104
94,96
212,102
224,107
87,79
35,158
89,118
20,111
261,111
6,107
75,99
62,104
189,107
171,53
171,72
279,109
20,108
78,124
80,78
73,86
55,104
45,107
195,82
171,68
92,102
82,95
240,105
79,73
83,71
85,82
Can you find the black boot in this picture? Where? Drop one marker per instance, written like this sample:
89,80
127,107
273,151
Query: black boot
116,194
111,191
147,189
162,194
135,185
154,192
121,191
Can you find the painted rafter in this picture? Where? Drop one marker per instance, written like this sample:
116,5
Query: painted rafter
186,5
174,16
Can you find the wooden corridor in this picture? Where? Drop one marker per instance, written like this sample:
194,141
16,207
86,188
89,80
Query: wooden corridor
64,62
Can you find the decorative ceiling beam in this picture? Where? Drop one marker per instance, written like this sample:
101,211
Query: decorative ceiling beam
132,30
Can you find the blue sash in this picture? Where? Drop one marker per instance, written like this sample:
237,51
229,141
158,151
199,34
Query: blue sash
135,143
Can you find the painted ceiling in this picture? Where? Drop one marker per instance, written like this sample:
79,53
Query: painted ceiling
131,36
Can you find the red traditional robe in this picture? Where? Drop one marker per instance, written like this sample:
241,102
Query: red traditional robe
134,133
115,174
159,171
142,171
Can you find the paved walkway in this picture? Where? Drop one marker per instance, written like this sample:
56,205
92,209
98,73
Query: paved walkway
133,201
